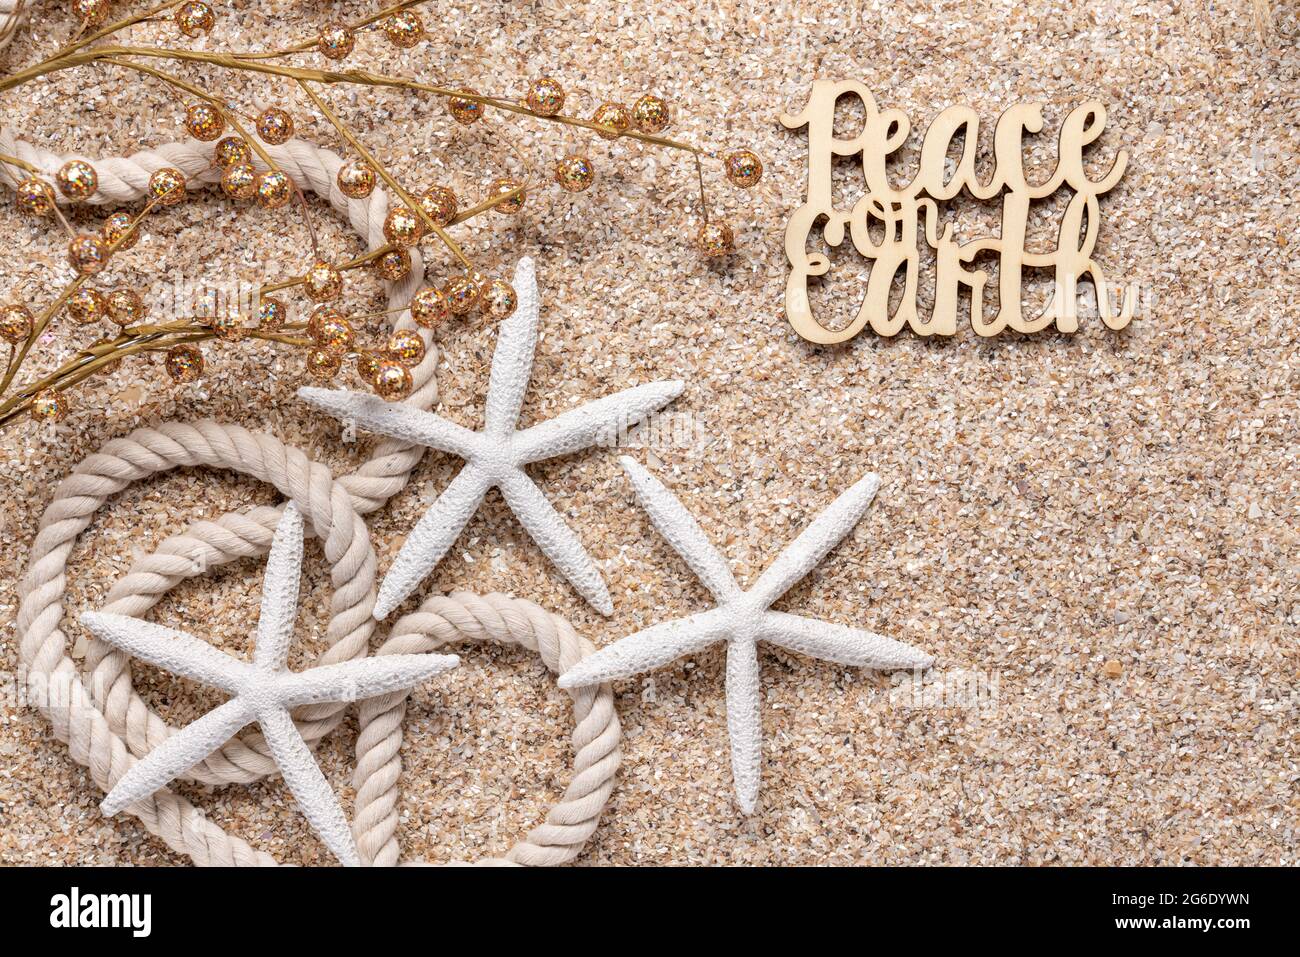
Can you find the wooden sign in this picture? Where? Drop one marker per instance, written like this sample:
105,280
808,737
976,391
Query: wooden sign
896,215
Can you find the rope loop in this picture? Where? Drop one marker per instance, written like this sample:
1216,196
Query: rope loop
103,719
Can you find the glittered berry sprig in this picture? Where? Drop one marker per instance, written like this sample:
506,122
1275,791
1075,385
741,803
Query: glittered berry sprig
329,337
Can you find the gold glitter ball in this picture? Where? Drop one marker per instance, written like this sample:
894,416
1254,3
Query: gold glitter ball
77,180
275,126
35,196
439,204
195,19
479,280
615,116
323,365
15,323
88,254
207,303
119,229
498,300
271,314
184,363
228,325
335,42
204,122
744,169
367,366
716,239
650,114
50,406
239,181
393,381
167,186
231,151
404,29
274,189
93,12
461,294
402,227
319,317
322,282
505,185
429,307
86,306
335,335
575,173
356,179
406,346
125,307
394,265
465,111
545,96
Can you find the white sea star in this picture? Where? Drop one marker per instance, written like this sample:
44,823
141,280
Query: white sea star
742,619
263,691
497,455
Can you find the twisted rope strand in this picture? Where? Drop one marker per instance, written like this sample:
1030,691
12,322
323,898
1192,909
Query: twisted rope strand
508,621
108,731
244,759
327,507
12,14
109,726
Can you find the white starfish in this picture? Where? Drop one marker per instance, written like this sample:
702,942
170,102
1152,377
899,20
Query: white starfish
263,692
742,619
497,456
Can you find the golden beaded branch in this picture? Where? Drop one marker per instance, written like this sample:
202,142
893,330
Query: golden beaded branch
328,337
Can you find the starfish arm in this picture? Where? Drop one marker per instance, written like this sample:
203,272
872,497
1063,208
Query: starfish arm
600,421
815,541
431,537
313,793
393,419
360,678
172,651
681,531
649,649
512,363
176,755
280,592
744,722
556,540
839,643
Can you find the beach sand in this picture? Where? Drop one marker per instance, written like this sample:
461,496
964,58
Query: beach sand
1095,535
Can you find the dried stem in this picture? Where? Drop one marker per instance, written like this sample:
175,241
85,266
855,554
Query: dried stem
16,359
161,336
308,44
356,77
15,161
393,184
202,94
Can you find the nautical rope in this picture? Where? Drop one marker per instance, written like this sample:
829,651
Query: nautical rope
125,179
80,717
12,14
108,726
441,620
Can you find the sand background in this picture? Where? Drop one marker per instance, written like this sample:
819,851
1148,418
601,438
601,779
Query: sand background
1050,504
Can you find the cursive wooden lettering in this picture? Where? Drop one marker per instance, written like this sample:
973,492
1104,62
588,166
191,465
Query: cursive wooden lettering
896,214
